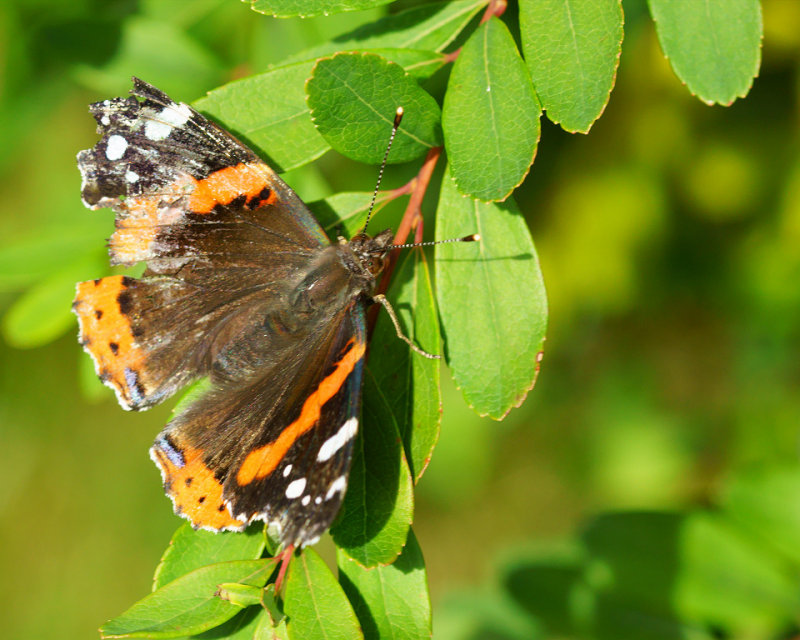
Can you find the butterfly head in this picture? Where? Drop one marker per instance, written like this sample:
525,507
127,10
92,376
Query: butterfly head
371,251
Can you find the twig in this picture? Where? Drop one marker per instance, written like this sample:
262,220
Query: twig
496,8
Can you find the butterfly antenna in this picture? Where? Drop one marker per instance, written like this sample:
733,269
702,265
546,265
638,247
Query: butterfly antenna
475,237
398,116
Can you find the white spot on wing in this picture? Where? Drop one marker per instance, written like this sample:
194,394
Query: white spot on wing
346,433
296,488
171,117
338,485
287,470
306,499
115,147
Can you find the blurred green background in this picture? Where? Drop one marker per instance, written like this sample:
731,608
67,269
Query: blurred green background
670,243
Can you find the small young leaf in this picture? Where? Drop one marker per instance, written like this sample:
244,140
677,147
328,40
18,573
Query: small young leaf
315,603
242,595
188,605
353,100
379,505
490,116
429,27
572,49
309,8
393,601
408,380
714,46
268,111
192,549
492,301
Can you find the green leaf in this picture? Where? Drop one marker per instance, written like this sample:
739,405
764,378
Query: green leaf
392,601
572,48
729,579
308,8
764,502
551,588
192,549
492,301
490,115
188,605
268,111
373,524
345,213
27,260
43,312
714,46
416,63
315,604
694,566
428,27
251,623
484,613
162,53
409,381
353,100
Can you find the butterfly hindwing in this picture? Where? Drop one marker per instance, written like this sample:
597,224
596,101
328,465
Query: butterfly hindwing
278,450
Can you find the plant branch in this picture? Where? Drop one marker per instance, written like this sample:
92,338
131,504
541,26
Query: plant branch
496,9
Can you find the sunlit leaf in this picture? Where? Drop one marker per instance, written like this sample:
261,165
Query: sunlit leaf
572,48
189,604
714,46
391,601
492,301
268,111
353,100
315,604
490,115
192,549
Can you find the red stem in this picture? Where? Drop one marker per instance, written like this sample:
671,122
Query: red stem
496,8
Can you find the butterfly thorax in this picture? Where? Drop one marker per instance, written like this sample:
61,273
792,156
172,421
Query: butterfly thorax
338,274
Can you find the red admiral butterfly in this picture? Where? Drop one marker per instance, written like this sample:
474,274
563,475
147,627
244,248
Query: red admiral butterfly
243,286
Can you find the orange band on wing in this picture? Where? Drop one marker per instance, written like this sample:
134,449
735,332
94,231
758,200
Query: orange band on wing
260,462
225,185
148,215
195,491
107,335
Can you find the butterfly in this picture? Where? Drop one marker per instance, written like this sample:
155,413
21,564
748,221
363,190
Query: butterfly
241,286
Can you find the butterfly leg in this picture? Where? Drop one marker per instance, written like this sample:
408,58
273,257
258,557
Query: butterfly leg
382,299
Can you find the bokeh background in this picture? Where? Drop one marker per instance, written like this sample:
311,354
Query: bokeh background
670,243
